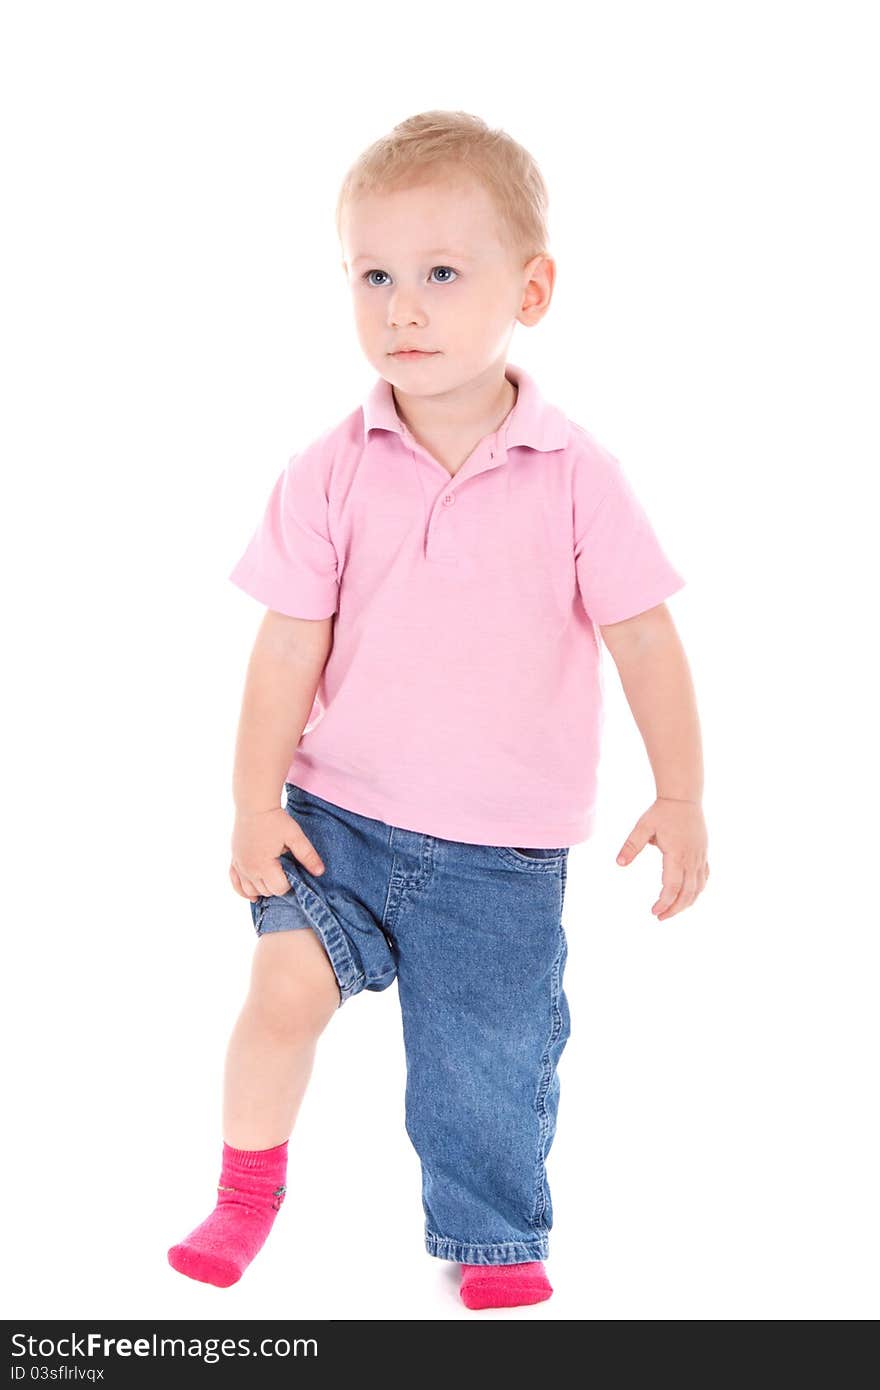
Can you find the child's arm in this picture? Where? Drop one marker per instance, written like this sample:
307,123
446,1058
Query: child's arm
656,679
283,673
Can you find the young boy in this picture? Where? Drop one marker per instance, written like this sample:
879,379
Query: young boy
426,683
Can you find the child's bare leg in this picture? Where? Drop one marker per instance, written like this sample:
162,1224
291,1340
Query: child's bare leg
293,995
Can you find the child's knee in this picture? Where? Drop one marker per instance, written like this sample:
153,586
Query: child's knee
293,986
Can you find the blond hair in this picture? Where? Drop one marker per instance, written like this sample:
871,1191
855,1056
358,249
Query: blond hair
443,144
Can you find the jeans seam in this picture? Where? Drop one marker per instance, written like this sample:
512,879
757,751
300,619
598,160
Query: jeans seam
332,935
544,1085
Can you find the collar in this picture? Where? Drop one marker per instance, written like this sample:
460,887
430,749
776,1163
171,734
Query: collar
532,422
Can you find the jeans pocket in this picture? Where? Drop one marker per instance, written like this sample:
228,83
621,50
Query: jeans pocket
526,858
540,853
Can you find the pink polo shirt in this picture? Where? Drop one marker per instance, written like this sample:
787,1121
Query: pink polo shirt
462,696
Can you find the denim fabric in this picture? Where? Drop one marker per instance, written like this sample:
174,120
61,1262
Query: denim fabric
473,935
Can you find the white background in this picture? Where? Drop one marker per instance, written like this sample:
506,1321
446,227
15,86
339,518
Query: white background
175,325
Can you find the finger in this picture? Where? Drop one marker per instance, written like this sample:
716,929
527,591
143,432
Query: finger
252,885
700,876
243,885
673,878
633,844
280,889
236,881
685,896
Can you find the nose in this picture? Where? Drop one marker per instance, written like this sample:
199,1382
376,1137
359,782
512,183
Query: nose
404,309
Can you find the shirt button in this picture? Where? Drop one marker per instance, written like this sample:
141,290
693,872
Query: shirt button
449,499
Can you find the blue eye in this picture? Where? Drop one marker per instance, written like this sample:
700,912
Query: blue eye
367,273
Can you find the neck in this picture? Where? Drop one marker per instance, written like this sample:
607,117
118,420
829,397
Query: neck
467,411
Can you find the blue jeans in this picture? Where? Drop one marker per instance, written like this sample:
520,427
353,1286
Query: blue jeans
473,935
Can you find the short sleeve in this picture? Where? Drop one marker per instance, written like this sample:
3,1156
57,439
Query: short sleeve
290,563
622,569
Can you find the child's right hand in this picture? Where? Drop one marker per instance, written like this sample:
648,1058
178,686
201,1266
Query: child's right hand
258,838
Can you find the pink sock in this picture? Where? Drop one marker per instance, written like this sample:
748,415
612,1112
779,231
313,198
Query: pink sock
504,1286
250,1193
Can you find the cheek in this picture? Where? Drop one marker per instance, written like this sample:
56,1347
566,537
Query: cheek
488,308
368,320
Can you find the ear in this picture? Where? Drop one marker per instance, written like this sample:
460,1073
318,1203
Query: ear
540,274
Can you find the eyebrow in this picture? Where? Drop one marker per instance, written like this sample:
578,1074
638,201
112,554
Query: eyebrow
441,251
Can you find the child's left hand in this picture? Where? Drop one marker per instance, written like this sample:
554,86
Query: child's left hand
678,830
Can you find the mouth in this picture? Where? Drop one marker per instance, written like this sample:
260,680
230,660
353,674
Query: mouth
406,353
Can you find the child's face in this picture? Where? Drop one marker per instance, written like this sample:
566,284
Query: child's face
429,269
